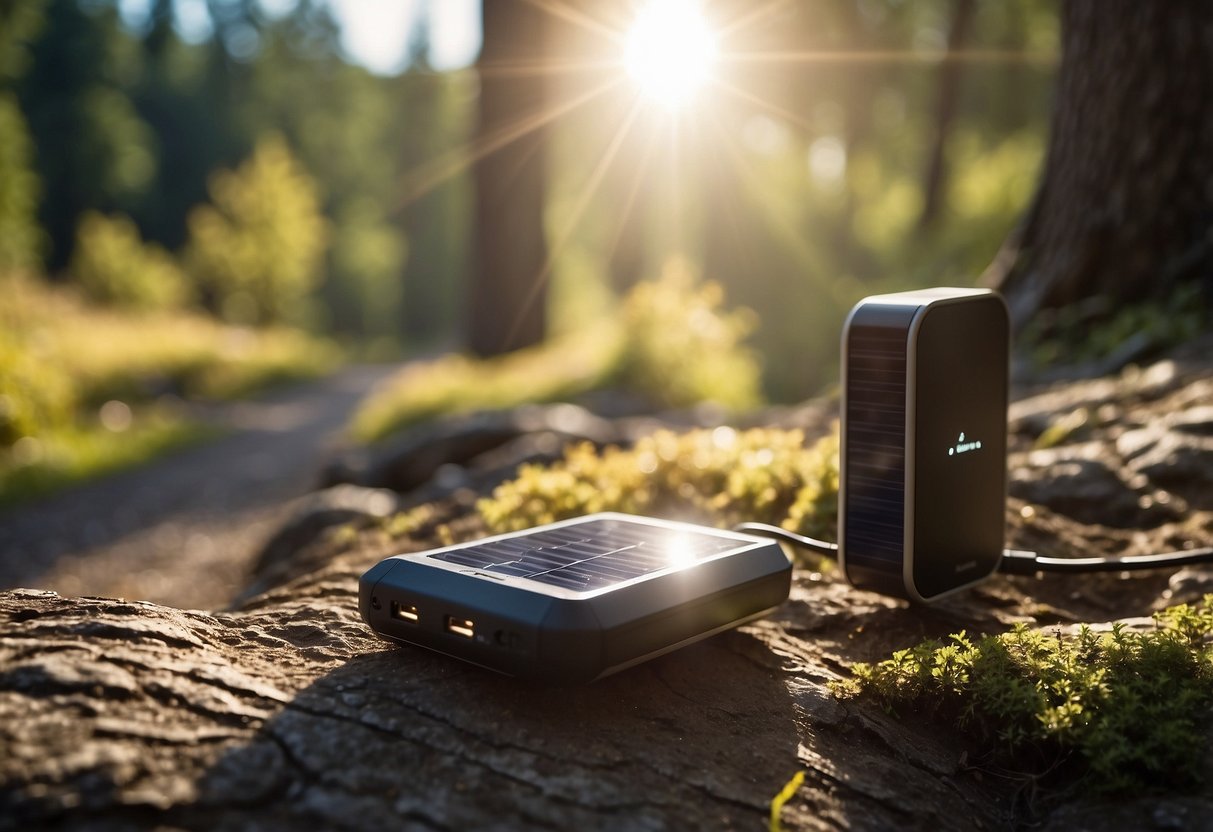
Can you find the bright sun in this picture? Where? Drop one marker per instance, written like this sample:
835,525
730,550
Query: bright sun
670,51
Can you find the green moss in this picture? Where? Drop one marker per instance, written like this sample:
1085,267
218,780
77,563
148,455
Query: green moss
1131,706
719,476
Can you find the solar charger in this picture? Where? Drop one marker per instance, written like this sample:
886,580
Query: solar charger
574,601
924,441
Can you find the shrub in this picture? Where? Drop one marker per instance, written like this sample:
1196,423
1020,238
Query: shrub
259,247
1132,706
682,348
113,265
35,393
719,476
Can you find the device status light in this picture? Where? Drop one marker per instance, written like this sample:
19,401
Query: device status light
962,446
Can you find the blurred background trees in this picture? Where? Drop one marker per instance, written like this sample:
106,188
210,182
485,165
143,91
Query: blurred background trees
240,159
842,152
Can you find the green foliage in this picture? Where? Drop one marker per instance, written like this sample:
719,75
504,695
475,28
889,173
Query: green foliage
557,370
21,240
719,476
65,364
258,247
368,254
1097,328
36,393
683,348
20,22
75,453
680,348
113,265
1132,706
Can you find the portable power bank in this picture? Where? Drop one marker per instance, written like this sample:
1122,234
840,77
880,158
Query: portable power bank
923,465
573,601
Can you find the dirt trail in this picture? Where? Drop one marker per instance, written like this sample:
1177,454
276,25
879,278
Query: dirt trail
182,530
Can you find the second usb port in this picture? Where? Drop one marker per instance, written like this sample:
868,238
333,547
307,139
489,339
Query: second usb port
405,612
460,626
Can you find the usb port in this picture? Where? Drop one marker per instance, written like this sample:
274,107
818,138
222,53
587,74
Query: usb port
460,626
405,612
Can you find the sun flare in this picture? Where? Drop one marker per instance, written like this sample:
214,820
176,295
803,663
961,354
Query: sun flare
670,51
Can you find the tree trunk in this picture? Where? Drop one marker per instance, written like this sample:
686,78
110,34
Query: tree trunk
508,298
936,179
1126,198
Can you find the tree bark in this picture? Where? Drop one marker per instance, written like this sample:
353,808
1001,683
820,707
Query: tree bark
1126,198
508,296
936,178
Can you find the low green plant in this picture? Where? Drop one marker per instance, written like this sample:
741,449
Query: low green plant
1096,329
719,476
1132,706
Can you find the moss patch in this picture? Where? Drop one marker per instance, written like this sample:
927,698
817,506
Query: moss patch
1131,706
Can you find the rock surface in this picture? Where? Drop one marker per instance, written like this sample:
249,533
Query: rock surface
287,713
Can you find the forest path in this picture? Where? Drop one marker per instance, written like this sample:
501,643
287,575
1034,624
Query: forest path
183,529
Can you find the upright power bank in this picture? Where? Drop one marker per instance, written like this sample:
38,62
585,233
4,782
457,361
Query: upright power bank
924,447
576,600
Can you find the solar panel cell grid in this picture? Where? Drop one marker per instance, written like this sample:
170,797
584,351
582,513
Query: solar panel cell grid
590,555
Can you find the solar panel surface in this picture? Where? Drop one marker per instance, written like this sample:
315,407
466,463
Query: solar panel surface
591,555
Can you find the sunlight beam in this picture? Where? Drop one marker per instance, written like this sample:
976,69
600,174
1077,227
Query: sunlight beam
567,13
894,57
575,215
432,174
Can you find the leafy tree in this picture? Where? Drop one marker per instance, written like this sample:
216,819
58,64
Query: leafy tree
21,240
341,122
115,266
258,248
94,149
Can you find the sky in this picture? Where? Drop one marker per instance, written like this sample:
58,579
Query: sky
374,33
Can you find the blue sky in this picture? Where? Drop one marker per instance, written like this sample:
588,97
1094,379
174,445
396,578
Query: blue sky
374,33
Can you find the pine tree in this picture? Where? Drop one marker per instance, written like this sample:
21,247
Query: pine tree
257,249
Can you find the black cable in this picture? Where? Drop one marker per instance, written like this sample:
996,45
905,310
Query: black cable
1015,561
821,547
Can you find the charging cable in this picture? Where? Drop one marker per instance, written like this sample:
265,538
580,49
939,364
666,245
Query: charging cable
1015,561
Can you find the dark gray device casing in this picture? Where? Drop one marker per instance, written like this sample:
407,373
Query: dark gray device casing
524,631
924,441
